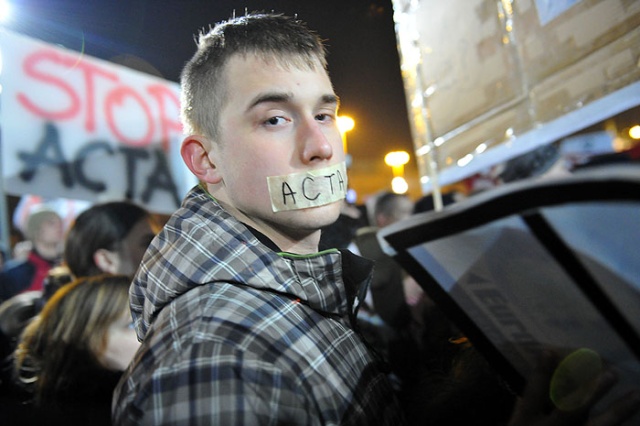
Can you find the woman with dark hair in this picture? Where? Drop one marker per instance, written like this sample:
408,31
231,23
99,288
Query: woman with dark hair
110,237
72,355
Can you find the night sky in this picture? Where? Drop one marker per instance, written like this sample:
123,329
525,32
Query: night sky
157,36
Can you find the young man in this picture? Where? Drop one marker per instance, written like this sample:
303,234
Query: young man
242,321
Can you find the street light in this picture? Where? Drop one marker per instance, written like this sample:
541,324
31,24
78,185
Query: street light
399,185
345,124
396,160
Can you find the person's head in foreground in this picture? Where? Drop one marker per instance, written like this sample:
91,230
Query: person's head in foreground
257,103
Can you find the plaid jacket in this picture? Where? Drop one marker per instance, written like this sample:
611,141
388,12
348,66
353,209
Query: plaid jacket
234,333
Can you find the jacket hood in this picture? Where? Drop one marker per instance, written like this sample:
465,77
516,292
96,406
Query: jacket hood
202,243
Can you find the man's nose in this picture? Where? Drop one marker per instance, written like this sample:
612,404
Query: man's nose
315,141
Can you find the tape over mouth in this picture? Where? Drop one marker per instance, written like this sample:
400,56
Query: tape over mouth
308,189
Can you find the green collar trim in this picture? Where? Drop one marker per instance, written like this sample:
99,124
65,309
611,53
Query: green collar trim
307,256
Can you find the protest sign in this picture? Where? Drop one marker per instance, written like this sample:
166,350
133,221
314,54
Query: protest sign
82,128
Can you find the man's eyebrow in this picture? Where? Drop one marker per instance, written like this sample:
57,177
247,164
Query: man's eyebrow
331,99
278,97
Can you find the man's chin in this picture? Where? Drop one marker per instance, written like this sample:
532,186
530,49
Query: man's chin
314,218
327,213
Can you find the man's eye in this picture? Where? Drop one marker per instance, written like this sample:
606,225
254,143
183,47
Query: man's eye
323,117
274,121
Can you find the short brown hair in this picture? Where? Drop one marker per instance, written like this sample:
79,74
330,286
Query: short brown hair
271,36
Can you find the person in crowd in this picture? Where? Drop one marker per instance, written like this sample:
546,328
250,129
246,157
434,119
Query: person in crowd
241,320
108,237
72,354
15,314
44,230
386,317
426,202
341,233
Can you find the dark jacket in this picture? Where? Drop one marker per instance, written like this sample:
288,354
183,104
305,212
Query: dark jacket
26,275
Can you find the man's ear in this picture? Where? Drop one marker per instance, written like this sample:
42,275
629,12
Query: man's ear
107,260
196,156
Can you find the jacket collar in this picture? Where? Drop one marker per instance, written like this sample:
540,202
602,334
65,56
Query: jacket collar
202,244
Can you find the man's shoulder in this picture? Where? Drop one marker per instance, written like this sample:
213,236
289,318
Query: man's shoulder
200,212
187,337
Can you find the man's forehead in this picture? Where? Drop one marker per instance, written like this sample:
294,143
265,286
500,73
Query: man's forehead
259,81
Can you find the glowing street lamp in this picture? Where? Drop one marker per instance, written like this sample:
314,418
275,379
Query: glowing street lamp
345,124
399,185
396,160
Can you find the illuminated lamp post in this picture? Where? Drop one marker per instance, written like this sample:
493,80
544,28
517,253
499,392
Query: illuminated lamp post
345,124
396,160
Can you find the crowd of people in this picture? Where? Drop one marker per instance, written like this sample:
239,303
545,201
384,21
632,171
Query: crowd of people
66,342
244,309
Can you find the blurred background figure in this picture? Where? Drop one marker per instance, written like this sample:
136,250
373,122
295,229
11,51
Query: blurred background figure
342,232
385,317
15,314
72,355
427,204
18,311
110,237
106,238
45,235
386,296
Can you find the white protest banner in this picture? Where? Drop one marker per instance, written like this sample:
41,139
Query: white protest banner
82,128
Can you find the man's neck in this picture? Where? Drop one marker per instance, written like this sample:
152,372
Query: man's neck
291,242
304,245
